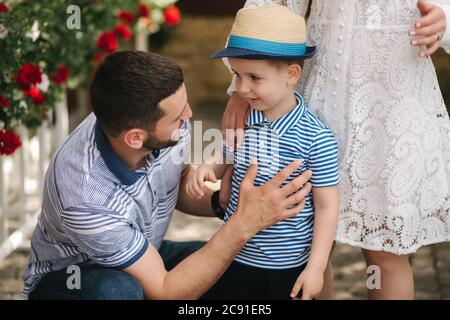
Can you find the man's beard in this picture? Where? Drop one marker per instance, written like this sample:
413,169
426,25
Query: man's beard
152,143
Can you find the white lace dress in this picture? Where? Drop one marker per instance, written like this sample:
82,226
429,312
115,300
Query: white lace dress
383,101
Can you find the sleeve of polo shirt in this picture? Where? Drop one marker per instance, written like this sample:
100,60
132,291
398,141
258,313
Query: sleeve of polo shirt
323,160
105,236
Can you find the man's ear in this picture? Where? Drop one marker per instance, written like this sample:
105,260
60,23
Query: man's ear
134,138
293,71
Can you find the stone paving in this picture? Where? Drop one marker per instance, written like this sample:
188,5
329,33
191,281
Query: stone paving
431,264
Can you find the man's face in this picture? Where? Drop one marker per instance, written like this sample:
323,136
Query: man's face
166,132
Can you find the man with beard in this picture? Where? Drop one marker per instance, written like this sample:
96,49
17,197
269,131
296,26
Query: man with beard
111,188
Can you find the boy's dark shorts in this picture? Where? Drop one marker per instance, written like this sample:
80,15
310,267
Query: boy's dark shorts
245,282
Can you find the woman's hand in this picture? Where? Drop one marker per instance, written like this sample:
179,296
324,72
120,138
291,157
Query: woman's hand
233,120
430,28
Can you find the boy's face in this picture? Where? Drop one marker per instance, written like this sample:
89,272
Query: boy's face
261,84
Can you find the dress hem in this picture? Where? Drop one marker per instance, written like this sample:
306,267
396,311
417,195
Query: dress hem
410,250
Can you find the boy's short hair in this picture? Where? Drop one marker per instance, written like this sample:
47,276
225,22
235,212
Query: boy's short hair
127,88
279,63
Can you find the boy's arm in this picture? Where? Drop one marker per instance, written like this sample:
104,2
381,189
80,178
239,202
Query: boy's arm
194,206
200,207
326,208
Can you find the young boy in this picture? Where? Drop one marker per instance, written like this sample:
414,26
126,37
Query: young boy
266,49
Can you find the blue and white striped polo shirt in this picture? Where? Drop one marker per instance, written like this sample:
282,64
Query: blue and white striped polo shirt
97,211
296,135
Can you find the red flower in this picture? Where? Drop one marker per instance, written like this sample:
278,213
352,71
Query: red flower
107,41
143,10
3,8
61,75
172,15
4,102
9,142
126,17
28,75
123,31
35,95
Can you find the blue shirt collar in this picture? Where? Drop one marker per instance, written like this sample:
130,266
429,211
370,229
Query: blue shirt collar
112,161
282,124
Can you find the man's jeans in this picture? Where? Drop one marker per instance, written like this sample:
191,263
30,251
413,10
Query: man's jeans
100,283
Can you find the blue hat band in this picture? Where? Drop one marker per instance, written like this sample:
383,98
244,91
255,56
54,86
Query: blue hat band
270,47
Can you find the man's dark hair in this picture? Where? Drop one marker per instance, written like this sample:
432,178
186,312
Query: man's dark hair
127,88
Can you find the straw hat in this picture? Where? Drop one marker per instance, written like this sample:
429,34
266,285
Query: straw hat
267,32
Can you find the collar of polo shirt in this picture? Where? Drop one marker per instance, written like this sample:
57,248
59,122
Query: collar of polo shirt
282,124
113,162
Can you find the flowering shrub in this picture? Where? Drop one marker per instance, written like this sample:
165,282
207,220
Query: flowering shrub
41,54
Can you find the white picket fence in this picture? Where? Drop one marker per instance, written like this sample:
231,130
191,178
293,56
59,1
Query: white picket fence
21,179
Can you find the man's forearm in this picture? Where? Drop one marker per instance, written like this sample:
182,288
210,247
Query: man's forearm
194,206
196,274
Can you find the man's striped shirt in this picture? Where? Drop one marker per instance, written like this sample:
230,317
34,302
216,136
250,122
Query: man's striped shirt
97,211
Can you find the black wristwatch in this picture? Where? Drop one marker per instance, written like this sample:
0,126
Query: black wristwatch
215,204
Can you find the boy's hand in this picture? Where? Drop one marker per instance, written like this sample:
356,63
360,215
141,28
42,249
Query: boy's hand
196,179
310,282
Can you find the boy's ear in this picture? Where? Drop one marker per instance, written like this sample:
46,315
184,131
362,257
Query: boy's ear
293,70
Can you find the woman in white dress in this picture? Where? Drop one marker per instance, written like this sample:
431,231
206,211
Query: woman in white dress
373,83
